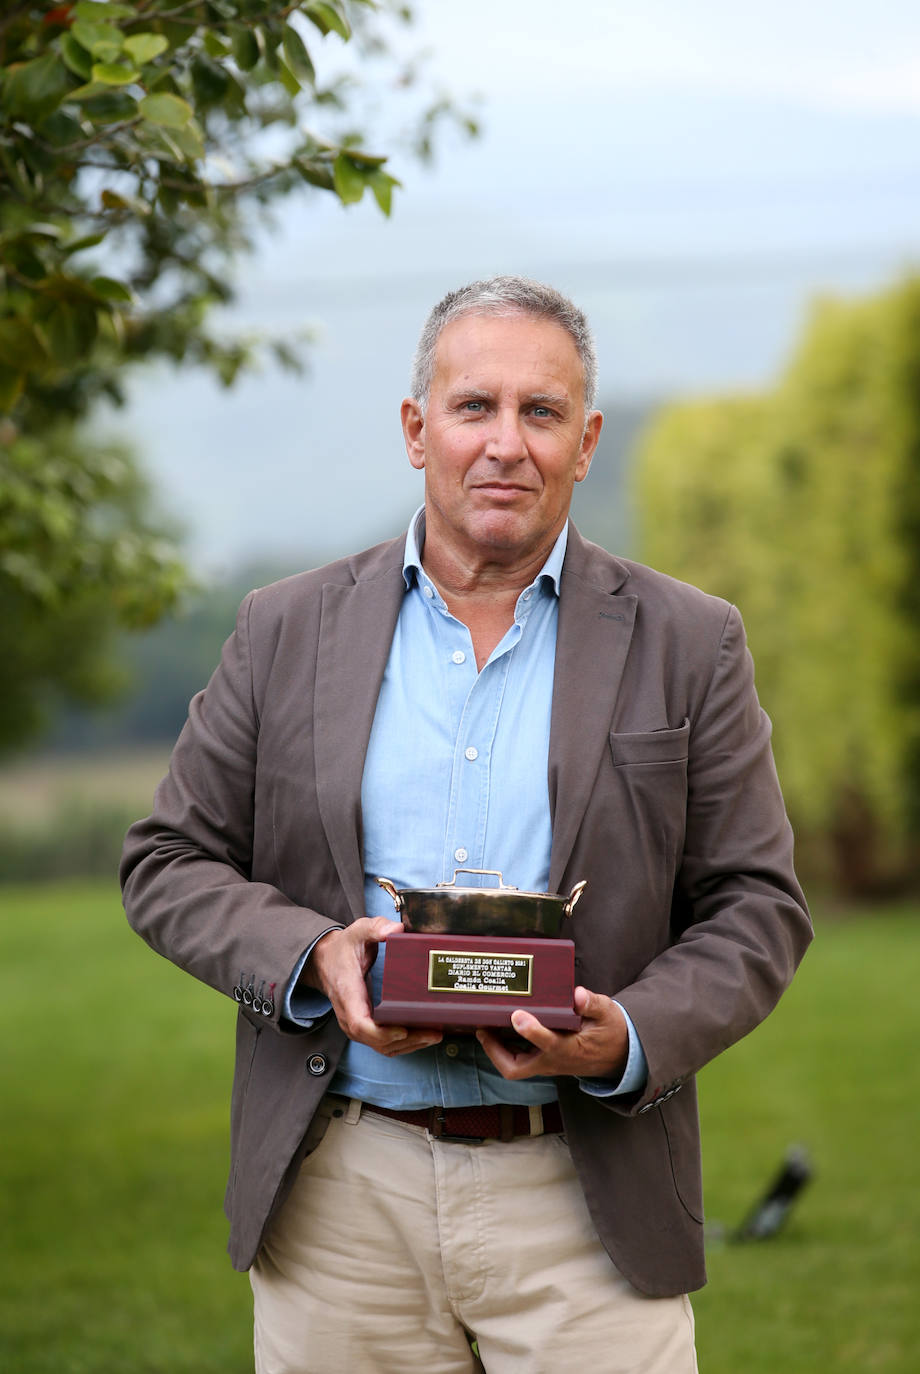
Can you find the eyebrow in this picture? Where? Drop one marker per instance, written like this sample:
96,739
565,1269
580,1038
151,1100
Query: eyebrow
538,398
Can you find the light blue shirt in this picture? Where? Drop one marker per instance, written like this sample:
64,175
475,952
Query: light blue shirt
455,776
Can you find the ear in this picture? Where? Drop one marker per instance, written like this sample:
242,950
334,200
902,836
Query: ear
588,444
413,428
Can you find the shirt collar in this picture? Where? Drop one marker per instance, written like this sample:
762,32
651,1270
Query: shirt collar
550,573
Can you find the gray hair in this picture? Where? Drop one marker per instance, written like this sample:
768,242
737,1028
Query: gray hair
504,296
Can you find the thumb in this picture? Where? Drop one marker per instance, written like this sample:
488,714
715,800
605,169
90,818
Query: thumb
380,928
591,1005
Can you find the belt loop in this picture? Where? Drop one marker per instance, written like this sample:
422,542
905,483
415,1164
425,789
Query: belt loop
353,1111
536,1119
506,1121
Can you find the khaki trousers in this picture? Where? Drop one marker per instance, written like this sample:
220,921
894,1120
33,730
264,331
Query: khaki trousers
395,1249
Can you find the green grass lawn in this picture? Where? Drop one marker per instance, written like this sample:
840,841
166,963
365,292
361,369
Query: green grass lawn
113,1126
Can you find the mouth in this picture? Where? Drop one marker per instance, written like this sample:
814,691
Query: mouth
501,491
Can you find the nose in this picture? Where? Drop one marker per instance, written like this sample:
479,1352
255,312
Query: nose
505,439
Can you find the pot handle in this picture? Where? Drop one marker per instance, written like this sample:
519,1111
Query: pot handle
483,873
576,892
390,887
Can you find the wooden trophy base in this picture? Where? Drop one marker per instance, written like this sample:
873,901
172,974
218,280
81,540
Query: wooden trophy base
459,982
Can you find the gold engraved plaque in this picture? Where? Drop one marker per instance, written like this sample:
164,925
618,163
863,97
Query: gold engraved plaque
474,972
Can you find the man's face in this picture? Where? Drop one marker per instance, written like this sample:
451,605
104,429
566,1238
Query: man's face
504,439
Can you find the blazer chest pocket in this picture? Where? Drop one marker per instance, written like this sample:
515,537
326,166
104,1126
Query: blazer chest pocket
651,747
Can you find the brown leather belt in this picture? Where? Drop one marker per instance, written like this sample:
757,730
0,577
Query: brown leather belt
469,1124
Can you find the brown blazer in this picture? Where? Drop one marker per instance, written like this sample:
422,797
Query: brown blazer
663,796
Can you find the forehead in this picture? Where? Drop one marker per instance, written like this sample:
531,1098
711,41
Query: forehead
516,350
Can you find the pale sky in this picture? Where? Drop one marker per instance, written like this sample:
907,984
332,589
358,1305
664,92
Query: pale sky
835,54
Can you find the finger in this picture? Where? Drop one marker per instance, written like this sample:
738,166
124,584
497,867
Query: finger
415,1040
379,928
511,1063
592,1006
533,1030
392,1041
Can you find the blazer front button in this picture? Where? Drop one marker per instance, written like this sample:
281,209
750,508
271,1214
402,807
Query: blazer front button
317,1064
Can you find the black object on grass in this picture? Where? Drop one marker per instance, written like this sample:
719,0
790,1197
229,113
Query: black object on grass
769,1214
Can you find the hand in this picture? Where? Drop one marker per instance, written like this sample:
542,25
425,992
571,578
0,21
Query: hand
338,967
598,1050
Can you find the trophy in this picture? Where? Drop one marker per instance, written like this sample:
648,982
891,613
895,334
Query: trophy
469,956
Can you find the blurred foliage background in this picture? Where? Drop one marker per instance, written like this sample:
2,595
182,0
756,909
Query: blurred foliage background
802,504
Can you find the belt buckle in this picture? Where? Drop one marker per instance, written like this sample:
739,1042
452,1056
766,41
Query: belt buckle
436,1127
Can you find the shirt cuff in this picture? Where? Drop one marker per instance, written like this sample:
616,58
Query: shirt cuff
304,1007
635,1075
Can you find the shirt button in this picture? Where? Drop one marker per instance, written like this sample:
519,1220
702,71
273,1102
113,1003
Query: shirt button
428,592
458,656
452,1050
471,752
526,596
461,855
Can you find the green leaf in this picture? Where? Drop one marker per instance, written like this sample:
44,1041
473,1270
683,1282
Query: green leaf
101,40
348,180
20,345
80,94
316,173
101,10
328,15
298,58
215,45
33,231
71,328
211,82
12,382
112,74
288,79
60,128
81,244
34,89
246,49
108,289
75,56
111,200
365,159
190,143
144,47
381,183
106,104
169,110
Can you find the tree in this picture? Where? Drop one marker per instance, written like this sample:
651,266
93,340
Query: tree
802,506
140,147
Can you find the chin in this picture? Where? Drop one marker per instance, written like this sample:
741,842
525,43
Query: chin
502,530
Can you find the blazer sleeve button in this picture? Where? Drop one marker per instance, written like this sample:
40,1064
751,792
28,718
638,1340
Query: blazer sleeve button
316,1065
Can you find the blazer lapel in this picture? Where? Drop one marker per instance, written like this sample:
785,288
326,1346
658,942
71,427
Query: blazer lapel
356,629
595,631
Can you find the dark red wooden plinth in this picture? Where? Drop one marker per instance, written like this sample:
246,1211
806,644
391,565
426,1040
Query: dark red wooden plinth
406,999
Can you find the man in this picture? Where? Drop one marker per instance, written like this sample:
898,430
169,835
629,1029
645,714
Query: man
491,692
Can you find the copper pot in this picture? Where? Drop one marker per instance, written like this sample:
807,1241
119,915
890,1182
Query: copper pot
501,910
